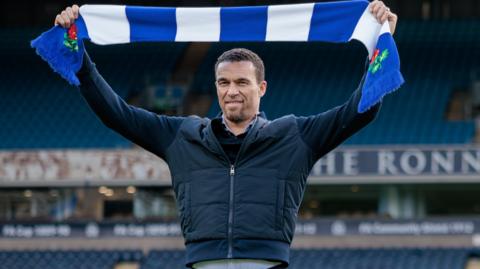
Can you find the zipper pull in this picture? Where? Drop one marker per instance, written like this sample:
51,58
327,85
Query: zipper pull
232,170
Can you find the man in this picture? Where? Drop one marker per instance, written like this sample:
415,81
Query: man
238,178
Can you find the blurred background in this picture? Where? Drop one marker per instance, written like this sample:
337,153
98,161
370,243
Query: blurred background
402,193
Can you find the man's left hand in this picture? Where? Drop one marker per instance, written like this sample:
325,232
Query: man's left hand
382,13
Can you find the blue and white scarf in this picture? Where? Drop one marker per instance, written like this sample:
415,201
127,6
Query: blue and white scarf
329,22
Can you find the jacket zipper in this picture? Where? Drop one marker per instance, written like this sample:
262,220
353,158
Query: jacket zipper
230,213
232,179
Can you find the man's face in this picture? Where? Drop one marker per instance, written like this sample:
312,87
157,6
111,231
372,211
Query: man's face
238,90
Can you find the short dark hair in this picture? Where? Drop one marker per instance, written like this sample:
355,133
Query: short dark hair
241,54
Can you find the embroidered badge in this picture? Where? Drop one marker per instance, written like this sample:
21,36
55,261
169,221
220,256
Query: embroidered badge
376,61
70,38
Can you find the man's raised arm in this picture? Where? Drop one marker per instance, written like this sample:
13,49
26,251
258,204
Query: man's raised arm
146,129
325,131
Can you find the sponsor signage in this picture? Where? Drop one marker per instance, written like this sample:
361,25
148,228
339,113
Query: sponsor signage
325,227
401,164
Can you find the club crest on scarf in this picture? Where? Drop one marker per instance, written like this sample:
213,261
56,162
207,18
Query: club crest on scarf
70,38
376,61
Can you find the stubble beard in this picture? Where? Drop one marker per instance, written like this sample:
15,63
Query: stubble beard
236,117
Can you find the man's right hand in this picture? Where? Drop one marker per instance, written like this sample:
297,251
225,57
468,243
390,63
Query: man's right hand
67,17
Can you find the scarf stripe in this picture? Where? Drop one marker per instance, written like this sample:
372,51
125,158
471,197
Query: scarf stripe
244,23
328,22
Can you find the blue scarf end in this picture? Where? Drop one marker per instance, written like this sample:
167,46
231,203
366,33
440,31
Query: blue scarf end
383,75
62,50
373,93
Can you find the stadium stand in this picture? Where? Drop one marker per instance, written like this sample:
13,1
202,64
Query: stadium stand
40,110
303,258
64,259
384,258
329,73
388,258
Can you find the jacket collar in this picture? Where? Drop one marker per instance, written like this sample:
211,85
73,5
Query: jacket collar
260,114
214,144
249,126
